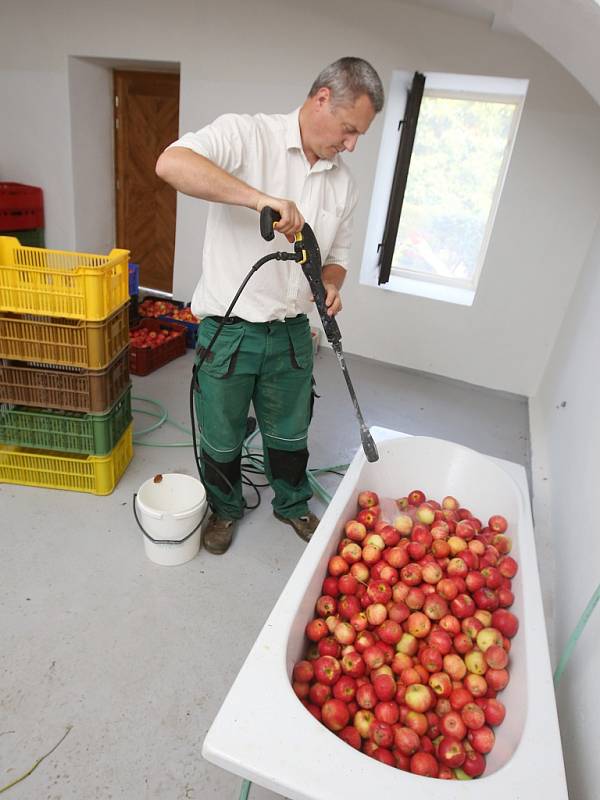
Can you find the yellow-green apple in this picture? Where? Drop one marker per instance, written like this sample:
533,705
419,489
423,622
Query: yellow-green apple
418,697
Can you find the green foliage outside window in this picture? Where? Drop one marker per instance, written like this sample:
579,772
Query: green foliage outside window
455,168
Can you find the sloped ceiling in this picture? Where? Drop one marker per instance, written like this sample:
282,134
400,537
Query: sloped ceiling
569,30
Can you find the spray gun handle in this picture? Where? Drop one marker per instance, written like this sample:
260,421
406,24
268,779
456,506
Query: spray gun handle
307,248
268,218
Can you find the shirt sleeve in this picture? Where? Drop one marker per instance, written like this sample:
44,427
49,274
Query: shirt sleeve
339,252
223,141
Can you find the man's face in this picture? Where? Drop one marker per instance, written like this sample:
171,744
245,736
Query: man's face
336,128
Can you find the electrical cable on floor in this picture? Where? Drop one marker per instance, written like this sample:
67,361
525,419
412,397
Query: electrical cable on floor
252,458
37,763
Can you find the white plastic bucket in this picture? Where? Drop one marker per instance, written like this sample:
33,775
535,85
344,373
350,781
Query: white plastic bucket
170,509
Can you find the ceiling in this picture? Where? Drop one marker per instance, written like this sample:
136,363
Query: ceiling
569,30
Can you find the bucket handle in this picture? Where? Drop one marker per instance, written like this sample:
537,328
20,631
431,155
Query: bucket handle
166,541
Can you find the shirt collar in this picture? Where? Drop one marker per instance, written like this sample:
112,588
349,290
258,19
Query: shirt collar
293,141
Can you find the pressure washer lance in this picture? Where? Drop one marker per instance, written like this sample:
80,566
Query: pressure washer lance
308,255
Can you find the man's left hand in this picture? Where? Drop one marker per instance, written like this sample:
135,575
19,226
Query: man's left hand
333,299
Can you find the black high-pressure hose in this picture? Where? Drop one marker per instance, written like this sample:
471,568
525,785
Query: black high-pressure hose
307,247
307,254
277,256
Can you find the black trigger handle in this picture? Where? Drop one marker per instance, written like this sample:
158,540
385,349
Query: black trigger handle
268,217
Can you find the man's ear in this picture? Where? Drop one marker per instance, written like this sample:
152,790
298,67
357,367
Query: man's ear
323,96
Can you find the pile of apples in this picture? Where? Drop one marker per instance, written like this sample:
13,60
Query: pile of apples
411,639
149,339
164,308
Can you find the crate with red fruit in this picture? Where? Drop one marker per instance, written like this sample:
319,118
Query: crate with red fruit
171,310
153,343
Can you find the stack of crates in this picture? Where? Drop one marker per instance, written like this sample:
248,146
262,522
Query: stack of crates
134,294
22,213
65,393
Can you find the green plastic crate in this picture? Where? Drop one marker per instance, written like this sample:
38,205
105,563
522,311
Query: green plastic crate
33,237
66,431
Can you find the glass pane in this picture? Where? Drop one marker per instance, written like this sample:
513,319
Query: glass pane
454,170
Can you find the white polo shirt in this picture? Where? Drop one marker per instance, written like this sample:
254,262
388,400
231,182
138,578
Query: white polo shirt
265,151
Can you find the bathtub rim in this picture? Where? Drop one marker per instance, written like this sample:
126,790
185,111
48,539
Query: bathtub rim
231,742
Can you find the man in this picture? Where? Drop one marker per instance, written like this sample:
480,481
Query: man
241,164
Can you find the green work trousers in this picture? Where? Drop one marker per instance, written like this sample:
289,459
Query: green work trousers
269,364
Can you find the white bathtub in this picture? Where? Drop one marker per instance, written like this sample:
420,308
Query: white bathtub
263,733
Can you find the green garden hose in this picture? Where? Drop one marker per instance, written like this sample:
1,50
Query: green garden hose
574,637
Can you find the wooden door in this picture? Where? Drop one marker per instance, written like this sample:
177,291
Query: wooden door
146,121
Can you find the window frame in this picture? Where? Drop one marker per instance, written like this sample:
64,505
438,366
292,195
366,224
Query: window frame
454,290
489,97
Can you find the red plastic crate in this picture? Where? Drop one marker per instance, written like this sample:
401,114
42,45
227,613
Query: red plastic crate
144,360
21,207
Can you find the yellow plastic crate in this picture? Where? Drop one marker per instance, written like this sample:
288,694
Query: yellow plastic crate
52,470
59,283
64,342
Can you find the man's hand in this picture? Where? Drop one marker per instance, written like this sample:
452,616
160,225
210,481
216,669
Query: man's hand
333,299
291,220
333,277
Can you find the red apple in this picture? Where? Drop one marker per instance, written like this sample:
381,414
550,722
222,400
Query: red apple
473,716
497,523
506,622
345,689
355,530
441,640
329,646
303,671
418,624
406,740
416,497
474,764
366,696
317,629
337,566
482,740
351,736
424,764
376,613
319,693
415,598
368,517
497,679
387,711
451,752
353,664
325,605
452,724
366,499
374,657
455,666
494,712
379,591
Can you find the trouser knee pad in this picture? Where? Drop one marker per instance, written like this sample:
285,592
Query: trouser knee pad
288,465
222,474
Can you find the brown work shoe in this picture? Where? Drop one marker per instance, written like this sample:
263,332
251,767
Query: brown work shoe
304,526
218,534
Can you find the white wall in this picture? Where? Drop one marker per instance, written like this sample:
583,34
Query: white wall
92,147
263,56
565,429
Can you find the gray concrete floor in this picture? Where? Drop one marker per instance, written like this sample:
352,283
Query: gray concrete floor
137,658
